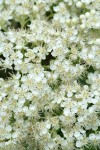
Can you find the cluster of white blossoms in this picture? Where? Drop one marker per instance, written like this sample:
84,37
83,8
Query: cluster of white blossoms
49,74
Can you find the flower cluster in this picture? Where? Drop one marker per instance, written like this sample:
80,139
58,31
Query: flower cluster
49,74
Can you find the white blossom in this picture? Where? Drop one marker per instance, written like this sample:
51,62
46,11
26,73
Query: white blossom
49,74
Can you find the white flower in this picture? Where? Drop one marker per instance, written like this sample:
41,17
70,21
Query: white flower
51,145
78,144
56,9
69,94
32,107
8,128
25,109
66,111
21,101
44,131
79,4
77,134
15,135
19,54
97,42
49,74
48,125
16,96
92,136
